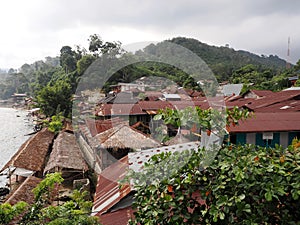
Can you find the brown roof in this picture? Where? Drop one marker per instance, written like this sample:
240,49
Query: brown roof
99,126
31,155
123,136
66,154
119,217
259,93
269,122
284,106
154,105
24,191
276,97
119,109
108,190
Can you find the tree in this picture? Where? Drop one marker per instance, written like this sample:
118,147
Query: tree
95,44
68,59
297,66
56,98
84,63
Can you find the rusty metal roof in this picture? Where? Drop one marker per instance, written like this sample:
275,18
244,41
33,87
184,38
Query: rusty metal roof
269,122
154,105
108,190
119,217
99,126
119,109
276,97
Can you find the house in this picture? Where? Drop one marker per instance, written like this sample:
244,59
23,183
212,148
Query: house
66,157
24,193
267,129
30,159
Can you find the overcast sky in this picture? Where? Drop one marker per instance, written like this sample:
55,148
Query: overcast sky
34,29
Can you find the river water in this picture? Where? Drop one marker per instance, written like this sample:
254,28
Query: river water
14,127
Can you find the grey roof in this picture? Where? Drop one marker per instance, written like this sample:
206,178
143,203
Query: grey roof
292,89
171,96
230,89
137,160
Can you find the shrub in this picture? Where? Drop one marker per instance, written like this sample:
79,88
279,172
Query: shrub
243,185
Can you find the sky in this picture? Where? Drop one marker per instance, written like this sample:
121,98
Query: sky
34,29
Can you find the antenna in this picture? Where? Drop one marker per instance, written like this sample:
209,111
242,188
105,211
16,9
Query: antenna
288,65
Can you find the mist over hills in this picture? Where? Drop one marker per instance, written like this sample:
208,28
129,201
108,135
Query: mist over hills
224,60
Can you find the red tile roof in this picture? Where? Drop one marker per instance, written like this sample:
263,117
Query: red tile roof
269,122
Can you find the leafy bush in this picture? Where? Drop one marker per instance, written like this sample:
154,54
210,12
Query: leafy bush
243,185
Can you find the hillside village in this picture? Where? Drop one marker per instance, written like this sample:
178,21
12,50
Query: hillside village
115,135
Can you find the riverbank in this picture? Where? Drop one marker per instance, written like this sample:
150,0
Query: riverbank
15,125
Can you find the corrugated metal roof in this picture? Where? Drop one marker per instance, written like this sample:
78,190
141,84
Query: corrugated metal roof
257,93
269,122
119,109
119,217
99,126
171,96
276,97
137,160
285,106
108,190
154,105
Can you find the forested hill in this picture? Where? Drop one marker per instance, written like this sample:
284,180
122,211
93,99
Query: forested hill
224,60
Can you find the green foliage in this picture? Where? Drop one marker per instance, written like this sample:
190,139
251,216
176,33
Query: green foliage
209,119
75,211
84,63
68,59
9,212
243,185
224,60
56,98
56,123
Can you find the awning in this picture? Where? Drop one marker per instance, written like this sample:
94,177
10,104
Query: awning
23,172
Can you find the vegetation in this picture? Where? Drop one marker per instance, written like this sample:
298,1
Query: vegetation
242,185
224,60
75,211
52,82
9,212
